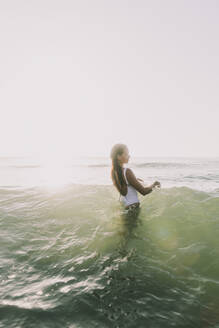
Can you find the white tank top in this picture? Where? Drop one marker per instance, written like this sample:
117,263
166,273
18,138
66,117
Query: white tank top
131,196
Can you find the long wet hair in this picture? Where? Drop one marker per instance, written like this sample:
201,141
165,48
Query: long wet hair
117,173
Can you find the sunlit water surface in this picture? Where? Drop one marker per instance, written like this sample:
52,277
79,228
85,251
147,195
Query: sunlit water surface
70,256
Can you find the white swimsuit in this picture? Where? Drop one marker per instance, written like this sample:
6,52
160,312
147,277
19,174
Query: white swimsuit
131,196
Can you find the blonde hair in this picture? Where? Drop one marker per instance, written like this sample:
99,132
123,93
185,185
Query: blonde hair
117,174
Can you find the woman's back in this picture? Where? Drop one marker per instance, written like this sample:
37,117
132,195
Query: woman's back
131,197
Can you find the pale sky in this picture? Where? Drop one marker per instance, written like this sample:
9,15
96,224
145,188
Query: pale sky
78,76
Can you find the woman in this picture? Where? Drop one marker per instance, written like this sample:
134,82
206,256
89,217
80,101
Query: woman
124,179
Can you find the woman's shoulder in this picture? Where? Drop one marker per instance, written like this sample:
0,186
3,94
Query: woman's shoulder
128,170
130,175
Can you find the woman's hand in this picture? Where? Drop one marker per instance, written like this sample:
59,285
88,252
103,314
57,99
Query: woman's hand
156,184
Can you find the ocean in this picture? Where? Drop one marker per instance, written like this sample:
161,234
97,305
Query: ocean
71,257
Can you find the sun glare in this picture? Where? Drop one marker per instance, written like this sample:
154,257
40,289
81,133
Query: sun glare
55,170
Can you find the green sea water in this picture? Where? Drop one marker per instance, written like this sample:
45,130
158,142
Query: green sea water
74,258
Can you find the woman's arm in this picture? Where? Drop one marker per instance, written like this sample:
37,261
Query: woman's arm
137,185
